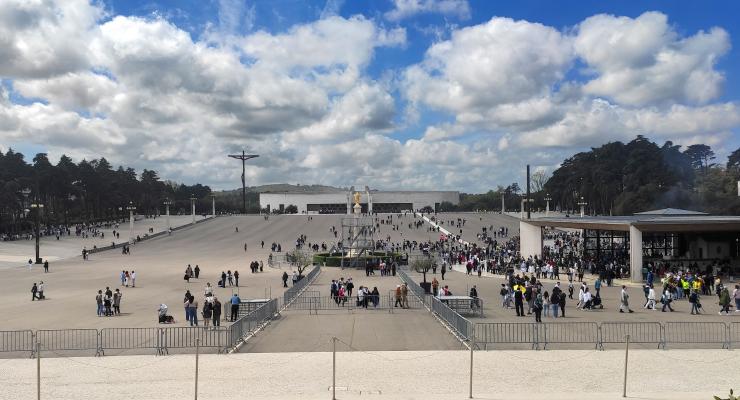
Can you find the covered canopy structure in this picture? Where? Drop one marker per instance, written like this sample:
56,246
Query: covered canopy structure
667,234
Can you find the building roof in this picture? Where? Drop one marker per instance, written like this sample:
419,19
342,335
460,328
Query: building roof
647,222
666,212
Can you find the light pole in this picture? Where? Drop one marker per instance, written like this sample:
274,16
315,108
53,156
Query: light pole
583,205
37,206
167,204
524,200
213,205
131,208
547,207
192,206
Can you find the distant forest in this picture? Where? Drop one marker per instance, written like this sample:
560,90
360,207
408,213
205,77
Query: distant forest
83,192
621,179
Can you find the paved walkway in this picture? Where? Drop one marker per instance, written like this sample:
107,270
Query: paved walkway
654,374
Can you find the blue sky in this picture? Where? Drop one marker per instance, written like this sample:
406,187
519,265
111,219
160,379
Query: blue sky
394,94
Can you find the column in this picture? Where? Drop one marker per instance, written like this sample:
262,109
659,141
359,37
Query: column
531,239
131,225
635,254
213,205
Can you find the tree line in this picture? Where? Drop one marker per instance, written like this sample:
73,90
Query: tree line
86,191
621,179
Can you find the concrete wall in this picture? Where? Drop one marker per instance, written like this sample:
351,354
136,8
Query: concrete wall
301,200
531,239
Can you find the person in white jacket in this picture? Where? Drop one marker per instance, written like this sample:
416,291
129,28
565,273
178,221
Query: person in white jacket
650,299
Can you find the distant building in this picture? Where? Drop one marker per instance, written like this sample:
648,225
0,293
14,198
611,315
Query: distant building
370,200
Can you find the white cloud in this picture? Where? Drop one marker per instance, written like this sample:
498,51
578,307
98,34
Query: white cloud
403,9
644,60
144,92
44,38
500,62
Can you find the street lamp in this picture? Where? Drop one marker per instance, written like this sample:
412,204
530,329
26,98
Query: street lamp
524,200
192,206
37,206
583,205
547,208
167,204
131,208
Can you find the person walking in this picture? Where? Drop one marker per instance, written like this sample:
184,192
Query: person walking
133,278
736,296
624,300
694,301
185,305
216,312
561,303
193,308
46,266
207,313
398,297
34,290
41,291
295,277
117,302
235,301
405,295
435,286
285,279
538,304
519,301
123,278
724,301
197,271
99,302
650,304
236,278
666,299
444,269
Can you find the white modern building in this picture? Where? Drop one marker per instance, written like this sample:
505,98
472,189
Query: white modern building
370,200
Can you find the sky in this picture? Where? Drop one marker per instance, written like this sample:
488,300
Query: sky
392,94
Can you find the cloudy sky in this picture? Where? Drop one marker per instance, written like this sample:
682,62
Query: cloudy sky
394,94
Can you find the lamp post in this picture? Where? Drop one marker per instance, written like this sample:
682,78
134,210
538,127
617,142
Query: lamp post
192,206
37,206
131,208
524,200
213,205
547,207
167,204
583,205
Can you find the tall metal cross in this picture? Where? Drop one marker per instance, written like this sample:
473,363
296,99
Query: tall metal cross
244,157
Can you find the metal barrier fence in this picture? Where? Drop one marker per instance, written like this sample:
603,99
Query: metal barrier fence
318,303
697,332
186,337
248,324
69,339
639,332
734,334
507,333
457,322
16,341
570,332
132,338
295,290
